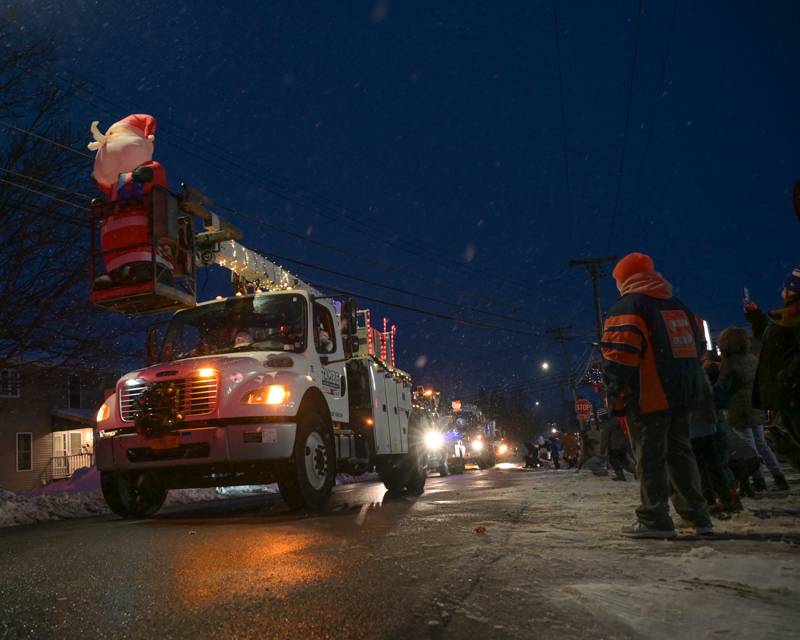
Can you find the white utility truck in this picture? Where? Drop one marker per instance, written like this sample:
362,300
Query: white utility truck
264,386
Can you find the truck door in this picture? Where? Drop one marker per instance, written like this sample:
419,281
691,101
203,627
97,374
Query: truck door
380,410
392,406
333,375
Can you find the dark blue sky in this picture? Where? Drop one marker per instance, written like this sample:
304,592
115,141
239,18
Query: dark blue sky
440,124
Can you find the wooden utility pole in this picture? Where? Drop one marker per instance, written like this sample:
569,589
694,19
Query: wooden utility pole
597,269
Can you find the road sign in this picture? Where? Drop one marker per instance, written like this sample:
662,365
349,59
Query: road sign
583,408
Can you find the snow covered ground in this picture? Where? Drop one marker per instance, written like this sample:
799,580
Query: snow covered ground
742,583
80,497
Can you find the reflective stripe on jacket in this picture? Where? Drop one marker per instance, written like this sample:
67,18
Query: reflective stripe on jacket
652,347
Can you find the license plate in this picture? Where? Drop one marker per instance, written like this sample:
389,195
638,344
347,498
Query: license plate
165,442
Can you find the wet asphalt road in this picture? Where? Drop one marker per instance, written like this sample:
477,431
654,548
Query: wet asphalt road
486,554
369,567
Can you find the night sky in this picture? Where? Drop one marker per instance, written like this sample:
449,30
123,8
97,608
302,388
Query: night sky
436,130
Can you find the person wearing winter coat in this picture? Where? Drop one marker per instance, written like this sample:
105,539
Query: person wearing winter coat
651,350
777,381
614,444
708,431
737,376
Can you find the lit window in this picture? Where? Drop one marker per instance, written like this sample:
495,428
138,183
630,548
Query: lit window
9,383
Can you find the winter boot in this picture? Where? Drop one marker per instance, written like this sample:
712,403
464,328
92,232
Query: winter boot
759,484
780,483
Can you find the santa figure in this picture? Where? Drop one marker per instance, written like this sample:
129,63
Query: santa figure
124,168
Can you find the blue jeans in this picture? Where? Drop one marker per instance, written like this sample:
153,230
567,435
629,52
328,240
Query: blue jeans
755,436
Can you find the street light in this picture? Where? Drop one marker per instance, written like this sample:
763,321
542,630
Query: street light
545,365
537,403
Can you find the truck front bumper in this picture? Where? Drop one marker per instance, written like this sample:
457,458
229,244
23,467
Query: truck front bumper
200,446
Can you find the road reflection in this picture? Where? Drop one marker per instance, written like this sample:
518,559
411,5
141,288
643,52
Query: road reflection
247,562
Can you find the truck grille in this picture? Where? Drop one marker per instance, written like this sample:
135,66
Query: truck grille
197,396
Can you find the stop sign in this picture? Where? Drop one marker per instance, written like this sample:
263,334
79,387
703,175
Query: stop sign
583,408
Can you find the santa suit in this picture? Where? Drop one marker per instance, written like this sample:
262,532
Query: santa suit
127,145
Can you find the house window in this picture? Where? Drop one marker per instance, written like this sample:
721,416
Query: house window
24,451
9,383
74,391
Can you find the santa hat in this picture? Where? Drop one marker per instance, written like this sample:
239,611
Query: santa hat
145,123
139,121
632,264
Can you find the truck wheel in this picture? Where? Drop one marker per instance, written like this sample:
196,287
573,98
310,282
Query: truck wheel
309,480
458,467
393,475
444,470
134,495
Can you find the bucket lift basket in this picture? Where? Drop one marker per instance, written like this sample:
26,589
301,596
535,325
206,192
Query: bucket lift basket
170,239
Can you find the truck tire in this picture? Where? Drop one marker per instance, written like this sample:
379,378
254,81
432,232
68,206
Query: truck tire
308,481
444,470
406,473
132,495
458,466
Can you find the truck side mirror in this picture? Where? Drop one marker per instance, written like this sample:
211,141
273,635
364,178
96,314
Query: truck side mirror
152,345
349,321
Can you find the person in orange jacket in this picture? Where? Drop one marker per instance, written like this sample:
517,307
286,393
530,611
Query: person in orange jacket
651,350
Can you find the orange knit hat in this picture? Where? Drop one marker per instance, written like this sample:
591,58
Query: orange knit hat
632,264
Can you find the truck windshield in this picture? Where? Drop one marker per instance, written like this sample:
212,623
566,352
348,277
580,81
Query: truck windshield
266,322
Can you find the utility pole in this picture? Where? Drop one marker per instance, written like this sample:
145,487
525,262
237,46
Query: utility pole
559,338
597,269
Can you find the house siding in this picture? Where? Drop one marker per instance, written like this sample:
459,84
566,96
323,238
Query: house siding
41,390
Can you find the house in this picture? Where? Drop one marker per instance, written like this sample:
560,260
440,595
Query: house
47,416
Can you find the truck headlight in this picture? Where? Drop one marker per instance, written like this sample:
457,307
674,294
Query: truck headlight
434,440
103,412
273,394
477,445
502,449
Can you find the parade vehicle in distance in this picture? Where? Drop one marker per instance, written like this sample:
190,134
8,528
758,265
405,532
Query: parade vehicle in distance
444,448
480,441
269,385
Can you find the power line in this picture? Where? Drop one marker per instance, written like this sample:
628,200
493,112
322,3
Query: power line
621,169
66,147
433,314
277,189
303,263
45,195
391,288
48,184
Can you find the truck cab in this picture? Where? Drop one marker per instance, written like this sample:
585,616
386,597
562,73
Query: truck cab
253,389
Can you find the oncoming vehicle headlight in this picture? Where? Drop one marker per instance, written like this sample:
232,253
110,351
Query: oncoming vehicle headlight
273,394
502,449
103,412
434,440
477,445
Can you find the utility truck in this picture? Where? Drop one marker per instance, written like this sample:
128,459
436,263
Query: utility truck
268,385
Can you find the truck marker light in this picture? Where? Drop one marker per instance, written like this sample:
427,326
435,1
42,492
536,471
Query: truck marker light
206,372
103,413
369,422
